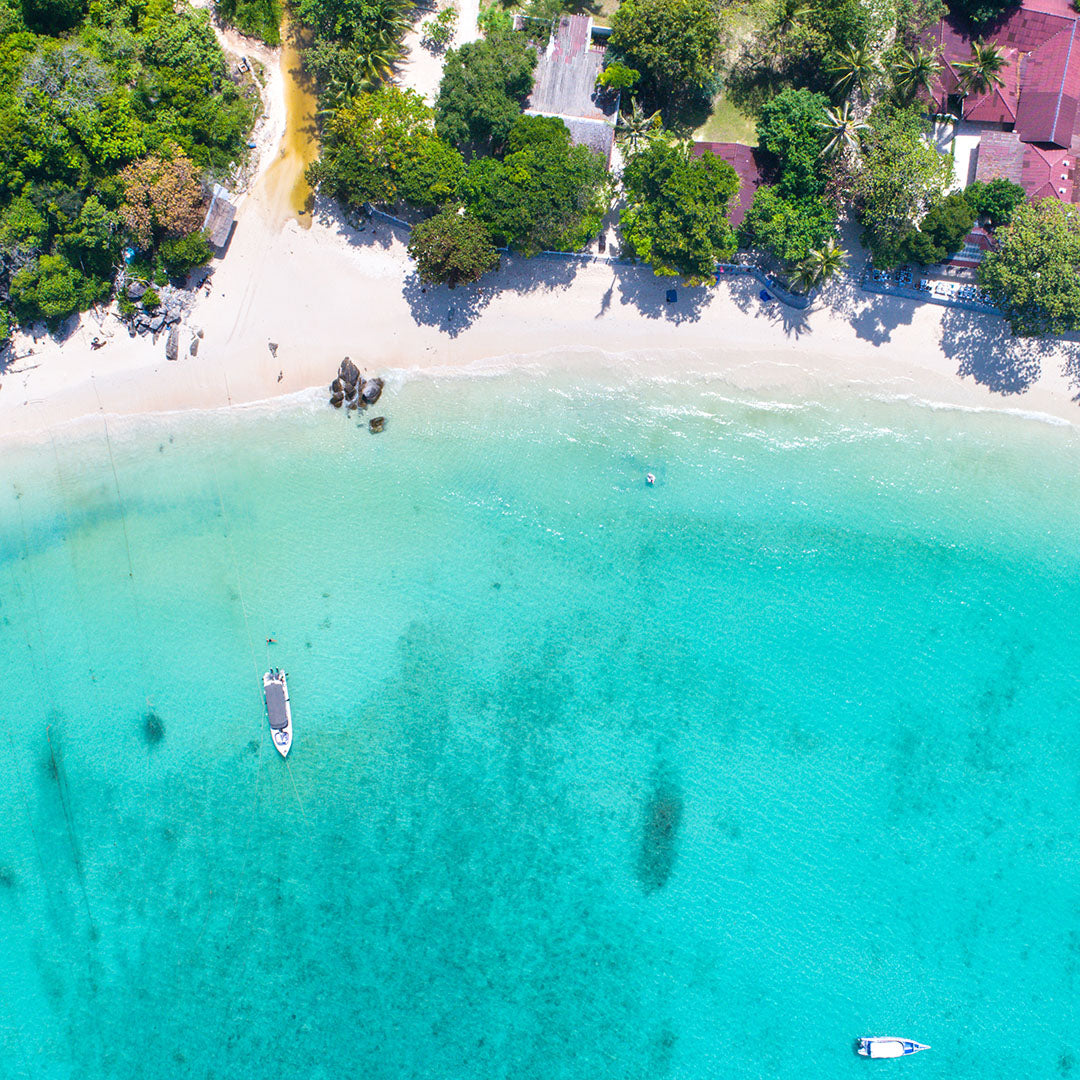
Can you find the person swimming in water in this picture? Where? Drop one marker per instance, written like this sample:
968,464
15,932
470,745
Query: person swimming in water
649,478
271,641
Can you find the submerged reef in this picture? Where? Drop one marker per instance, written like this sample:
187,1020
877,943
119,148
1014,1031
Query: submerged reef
660,828
153,728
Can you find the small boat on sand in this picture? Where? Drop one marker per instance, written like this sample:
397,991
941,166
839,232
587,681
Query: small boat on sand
276,692
887,1046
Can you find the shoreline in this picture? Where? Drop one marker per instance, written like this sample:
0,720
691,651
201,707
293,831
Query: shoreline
324,291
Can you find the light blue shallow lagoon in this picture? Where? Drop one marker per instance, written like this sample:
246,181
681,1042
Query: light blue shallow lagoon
590,779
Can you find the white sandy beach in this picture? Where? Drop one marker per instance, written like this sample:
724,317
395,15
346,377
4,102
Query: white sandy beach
326,291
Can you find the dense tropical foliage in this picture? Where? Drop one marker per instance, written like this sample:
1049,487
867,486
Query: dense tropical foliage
676,215
452,248
256,18
111,119
545,193
673,45
382,148
483,90
1035,273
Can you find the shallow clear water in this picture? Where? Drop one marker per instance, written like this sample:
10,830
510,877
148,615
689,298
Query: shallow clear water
590,778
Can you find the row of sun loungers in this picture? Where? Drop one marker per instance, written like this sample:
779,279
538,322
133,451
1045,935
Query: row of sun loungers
942,290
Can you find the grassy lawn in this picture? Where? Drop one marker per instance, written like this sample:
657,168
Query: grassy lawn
727,123
603,11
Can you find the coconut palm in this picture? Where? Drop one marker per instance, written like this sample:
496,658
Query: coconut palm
843,128
342,85
638,129
853,68
820,265
916,70
983,70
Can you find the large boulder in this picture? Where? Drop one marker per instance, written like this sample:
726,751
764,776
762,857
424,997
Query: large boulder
349,373
372,391
157,322
376,424
136,289
337,387
337,399
172,344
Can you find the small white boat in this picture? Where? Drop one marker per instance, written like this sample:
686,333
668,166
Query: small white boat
276,692
887,1046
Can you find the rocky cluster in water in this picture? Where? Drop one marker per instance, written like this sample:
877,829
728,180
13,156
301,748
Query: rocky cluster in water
351,390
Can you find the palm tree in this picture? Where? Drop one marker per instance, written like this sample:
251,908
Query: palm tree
820,265
916,70
843,128
342,85
853,68
789,13
637,128
983,70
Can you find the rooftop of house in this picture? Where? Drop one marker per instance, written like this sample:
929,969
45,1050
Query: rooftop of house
1040,91
220,216
565,84
1042,171
744,160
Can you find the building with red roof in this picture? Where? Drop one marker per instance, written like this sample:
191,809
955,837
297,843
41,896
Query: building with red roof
1032,121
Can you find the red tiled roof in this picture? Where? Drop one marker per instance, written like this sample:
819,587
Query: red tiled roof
1051,90
1041,91
1001,154
1042,171
1047,172
743,159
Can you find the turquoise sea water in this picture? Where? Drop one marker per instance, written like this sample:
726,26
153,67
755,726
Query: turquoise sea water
591,779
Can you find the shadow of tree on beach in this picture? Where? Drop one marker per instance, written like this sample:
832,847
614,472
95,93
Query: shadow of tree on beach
985,349
451,311
745,293
874,317
360,230
639,287
1071,370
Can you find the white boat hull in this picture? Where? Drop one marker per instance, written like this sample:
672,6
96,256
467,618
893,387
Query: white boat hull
888,1046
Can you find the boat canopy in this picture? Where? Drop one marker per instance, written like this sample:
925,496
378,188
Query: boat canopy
886,1048
275,705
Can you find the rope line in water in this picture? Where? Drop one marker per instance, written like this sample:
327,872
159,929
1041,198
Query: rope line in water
127,544
247,623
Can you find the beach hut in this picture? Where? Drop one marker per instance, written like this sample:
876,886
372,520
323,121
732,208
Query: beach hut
219,220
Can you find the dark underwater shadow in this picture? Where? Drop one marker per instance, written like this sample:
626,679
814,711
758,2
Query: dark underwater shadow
662,816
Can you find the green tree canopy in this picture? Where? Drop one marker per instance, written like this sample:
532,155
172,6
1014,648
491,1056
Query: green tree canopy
452,248
980,12
676,213
132,81
802,44
675,44
1034,276
483,90
256,18
617,76
52,289
382,148
360,39
545,193
788,229
899,177
791,130
941,232
995,200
